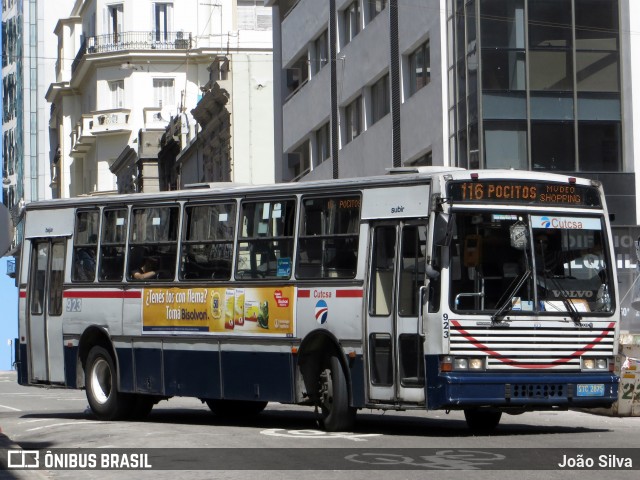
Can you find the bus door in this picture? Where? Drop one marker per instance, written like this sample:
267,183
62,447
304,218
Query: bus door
44,304
394,334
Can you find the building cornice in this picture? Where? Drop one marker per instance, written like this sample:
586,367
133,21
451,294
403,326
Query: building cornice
66,21
56,89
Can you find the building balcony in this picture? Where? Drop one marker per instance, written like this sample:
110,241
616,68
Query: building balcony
96,124
111,122
81,138
117,42
156,118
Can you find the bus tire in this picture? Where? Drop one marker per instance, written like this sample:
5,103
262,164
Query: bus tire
101,381
482,421
333,394
236,408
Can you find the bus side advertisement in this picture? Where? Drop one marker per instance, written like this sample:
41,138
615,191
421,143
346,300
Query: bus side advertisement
252,311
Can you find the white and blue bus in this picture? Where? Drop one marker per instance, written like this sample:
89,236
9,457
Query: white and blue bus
431,288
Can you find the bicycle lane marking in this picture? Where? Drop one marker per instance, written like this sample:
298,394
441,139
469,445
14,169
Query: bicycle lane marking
318,434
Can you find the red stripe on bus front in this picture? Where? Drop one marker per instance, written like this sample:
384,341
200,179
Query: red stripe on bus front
514,363
349,293
100,294
304,293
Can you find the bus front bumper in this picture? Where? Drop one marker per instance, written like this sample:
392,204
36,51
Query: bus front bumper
525,391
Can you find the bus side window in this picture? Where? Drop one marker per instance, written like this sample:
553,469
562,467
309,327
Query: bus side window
207,242
85,246
328,237
154,234
111,257
265,244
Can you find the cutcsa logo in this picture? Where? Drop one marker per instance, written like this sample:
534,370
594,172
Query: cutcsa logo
322,312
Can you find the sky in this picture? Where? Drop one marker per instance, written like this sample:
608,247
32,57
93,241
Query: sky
8,300
8,316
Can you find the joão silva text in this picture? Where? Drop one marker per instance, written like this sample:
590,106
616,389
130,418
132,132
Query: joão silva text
604,461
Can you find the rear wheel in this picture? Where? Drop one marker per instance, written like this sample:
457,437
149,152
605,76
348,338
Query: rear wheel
482,421
101,381
236,408
333,397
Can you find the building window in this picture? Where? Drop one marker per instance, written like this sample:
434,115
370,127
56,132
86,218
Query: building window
553,146
599,145
420,68
597,62
298,73
299,161
162,16
505,144
375,7
163,92
351,18
353,120
115,21
253,15
380,99
321,51
323,144
116,88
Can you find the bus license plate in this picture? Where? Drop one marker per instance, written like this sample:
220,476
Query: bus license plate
591,390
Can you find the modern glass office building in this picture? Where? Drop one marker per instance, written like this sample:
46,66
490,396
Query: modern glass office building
366,85
537,84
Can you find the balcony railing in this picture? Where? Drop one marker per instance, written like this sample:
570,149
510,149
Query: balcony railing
115,42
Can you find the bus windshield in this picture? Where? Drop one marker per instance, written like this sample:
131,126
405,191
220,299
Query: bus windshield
518,264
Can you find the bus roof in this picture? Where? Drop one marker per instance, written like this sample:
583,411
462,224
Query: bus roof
409,175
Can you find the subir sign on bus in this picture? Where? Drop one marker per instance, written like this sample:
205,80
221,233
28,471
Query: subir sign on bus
251,311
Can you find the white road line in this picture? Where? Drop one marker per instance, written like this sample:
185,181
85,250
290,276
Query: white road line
10,408
62,424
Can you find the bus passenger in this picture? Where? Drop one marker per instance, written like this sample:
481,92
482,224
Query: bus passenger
147,270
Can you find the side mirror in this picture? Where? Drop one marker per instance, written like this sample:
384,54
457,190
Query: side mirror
443,230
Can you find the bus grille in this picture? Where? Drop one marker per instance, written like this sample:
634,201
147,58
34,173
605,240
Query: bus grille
519,348
534,391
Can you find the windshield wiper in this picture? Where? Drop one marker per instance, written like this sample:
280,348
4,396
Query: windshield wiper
568,304
509,294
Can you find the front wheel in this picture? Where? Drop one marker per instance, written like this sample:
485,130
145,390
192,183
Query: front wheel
101,381
482,421
337,415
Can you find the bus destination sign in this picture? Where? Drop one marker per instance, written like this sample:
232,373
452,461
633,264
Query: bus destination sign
524,192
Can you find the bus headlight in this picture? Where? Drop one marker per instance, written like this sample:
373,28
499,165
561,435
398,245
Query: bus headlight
595,363
476,364
449,363
460,364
